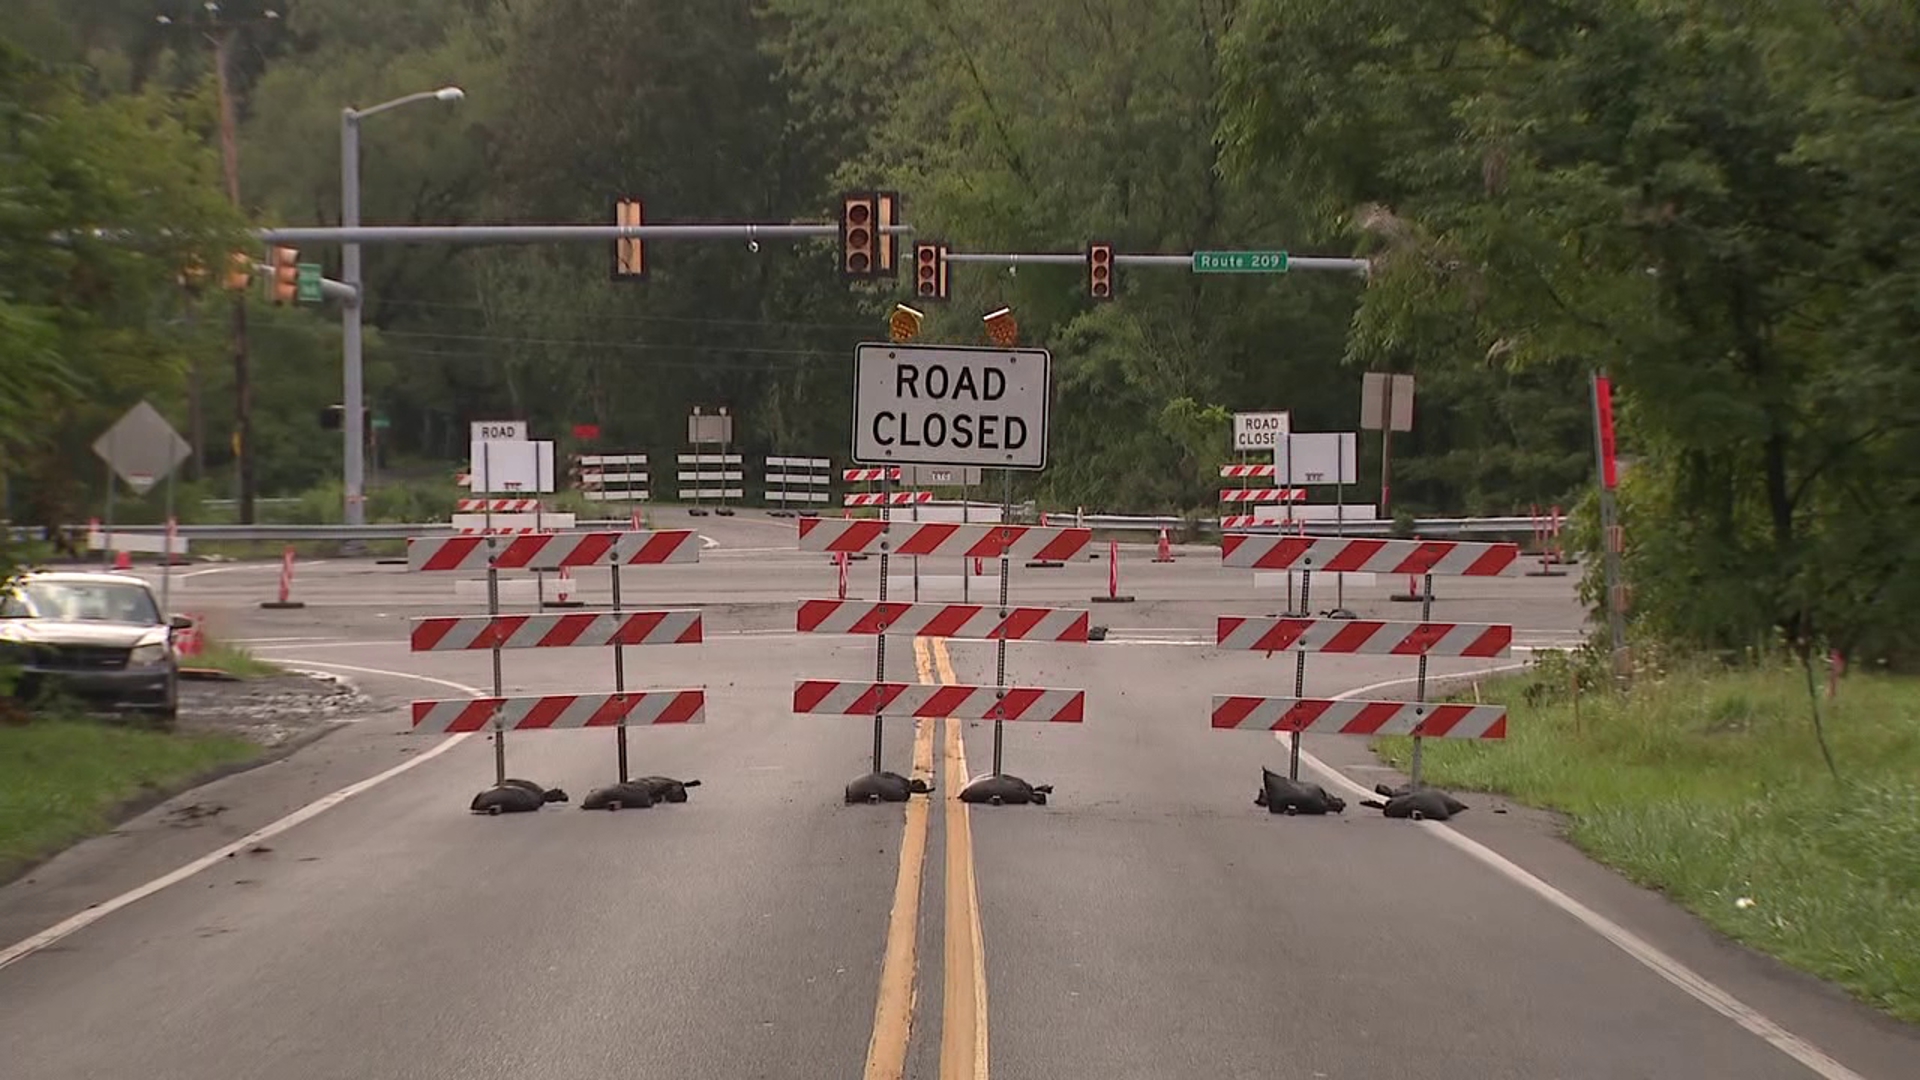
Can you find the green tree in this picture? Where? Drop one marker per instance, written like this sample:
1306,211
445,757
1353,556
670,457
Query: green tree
1636,184
104,204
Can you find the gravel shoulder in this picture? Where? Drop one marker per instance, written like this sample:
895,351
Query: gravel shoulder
274,712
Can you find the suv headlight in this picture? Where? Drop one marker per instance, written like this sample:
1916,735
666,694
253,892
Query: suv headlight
148,655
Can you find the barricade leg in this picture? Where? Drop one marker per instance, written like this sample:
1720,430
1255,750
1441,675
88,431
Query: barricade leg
997,788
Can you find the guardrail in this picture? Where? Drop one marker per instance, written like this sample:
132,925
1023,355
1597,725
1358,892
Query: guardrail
1438,526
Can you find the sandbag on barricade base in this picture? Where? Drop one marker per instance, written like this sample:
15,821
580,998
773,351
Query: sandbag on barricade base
999,789
1283,796
879,787
515,797
638,794
1416,804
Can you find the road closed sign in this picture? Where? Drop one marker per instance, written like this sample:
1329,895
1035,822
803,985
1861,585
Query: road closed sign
499,431
1259,430
943,405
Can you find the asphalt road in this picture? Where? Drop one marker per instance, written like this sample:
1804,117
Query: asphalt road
1149,922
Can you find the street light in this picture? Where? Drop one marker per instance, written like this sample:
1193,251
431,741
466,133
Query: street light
354,428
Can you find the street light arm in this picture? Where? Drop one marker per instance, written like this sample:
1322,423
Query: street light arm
445,93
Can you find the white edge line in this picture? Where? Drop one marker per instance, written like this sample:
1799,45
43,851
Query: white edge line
54,934
1649,955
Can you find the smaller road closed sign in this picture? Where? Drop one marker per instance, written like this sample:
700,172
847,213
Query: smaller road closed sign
951,405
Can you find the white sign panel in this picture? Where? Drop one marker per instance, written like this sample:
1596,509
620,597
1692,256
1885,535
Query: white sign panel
498,431
946,405
1319,458
141,447
918,476
506,467
1259,430
1386,401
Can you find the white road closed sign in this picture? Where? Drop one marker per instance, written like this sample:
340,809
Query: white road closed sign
946,405
1259,430
499,431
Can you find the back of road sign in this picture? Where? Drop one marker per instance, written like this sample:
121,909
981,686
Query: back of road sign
948,405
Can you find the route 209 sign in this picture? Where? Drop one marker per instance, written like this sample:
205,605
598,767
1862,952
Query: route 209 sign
951,405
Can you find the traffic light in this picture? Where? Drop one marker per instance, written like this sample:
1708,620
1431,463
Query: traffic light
193,275
283,274
867,250
629,254
1100,270
930,271
239,271
858,249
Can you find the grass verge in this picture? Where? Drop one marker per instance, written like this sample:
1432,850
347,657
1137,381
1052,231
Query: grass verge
62,780
233,660
1710,786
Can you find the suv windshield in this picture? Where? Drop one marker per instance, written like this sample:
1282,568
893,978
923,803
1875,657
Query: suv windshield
80,601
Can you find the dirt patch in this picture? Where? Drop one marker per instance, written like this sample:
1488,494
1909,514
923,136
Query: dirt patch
273,711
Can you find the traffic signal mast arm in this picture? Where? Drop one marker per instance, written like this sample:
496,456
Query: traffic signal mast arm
1079,258
547,234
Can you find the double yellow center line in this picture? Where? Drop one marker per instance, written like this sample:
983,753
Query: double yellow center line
963,1023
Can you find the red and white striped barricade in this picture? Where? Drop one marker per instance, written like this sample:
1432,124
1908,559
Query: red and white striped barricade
832,697
284,600
615,629
973,622
498,506
999,623
886,498
940,539
1245,496
1301,635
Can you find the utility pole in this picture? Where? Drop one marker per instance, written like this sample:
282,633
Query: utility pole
221,31
242,381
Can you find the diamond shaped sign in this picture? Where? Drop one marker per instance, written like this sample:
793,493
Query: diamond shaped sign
142,447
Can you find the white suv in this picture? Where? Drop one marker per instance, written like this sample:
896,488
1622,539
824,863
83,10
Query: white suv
98,637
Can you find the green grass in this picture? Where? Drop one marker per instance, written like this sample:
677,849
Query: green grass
60,780
233,660
1710,787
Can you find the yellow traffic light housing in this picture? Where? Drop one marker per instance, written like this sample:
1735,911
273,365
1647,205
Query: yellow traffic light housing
629,254
930,271
1100,279
1001,329
867,249
283,274
904,324
859,252
239,271
193,275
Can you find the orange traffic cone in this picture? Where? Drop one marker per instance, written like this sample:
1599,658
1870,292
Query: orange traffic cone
122,561
563,591
1163,551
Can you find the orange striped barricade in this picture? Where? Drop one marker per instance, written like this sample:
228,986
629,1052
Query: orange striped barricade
999,623
1417,559
616,629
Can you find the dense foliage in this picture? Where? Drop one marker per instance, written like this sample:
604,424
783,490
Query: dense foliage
1710,199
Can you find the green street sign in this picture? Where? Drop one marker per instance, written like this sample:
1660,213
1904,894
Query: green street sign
309,283
1239,262
381,423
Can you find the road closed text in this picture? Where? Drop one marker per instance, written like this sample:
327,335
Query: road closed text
936,407
950,406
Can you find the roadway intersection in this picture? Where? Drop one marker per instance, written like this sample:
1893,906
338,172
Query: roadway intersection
1150,922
